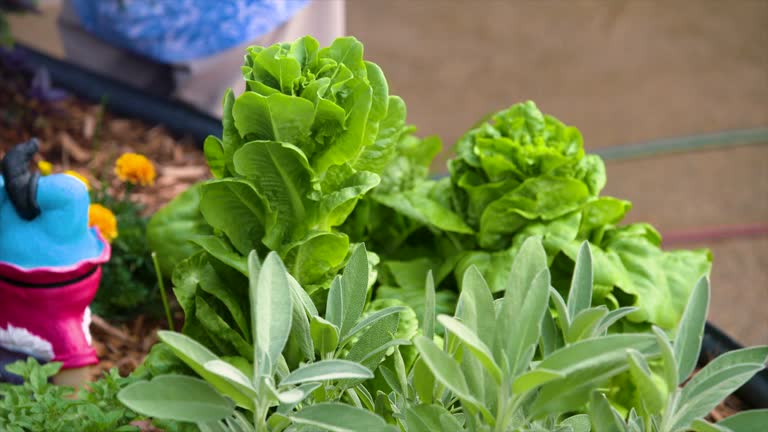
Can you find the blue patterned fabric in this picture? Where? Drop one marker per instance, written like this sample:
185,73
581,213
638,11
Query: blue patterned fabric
174,31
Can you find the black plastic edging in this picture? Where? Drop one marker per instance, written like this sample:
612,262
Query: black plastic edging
715,343
125,100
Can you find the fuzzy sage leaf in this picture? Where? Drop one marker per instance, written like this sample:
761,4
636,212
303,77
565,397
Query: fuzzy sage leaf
271,308
177,397
689,335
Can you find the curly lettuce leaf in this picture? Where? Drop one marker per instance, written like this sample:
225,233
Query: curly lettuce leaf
417,204
406,188
276,117
336,206
375,157
520,167
660,281
299,149
540,198
316,257
599,214
520,142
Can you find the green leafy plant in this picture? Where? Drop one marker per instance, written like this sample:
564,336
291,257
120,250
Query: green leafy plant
284,324
406,220
680,401
489,369
514,364
171,228
518,174
299,148
38,405
534,277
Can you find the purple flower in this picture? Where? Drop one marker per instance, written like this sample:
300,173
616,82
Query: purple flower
40,88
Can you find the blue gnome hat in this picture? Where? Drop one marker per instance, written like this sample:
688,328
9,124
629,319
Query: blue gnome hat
43,220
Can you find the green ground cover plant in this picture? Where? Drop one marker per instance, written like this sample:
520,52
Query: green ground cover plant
38,405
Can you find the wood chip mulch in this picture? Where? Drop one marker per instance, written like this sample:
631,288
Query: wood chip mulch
123,346
85,138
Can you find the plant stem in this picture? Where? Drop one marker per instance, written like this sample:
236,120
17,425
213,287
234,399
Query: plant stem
163,296
260,417
127,191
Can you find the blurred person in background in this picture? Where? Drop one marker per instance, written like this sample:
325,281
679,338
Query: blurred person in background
188,49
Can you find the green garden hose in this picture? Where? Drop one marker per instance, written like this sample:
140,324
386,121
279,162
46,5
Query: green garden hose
730,138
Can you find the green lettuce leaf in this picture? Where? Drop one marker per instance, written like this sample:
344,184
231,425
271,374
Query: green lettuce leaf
305,142
518,167
172,227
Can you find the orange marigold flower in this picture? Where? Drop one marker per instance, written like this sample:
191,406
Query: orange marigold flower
135,168
45,167
103,219
78,176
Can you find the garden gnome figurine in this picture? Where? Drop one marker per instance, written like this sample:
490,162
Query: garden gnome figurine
50,268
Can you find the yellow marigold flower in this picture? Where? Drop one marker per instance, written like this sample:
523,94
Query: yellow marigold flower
79,176
135,168
103,219
45,167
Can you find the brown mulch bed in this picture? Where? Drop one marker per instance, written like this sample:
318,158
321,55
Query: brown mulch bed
124,345
86,138
83,137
